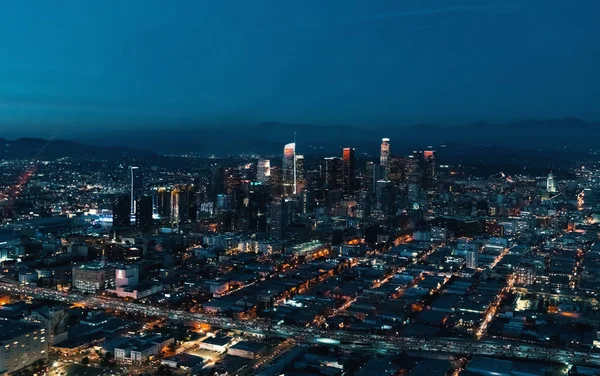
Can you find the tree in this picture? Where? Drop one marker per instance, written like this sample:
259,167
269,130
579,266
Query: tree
85,361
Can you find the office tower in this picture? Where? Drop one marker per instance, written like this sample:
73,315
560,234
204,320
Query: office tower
334,178
259,197
367,178
472,258
263,171
300,173
412,169
348,170
307,199
288,168
163,202
175,206
384,157
21,345
192,203
396,171
217,182
137,186
121,211
183,204
385,195
550,183
143,218
280,216
429,178
376,177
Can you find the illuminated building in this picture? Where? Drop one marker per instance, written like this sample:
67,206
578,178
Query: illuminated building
334,177
183,204
280,216
258,199
126,276
163,203
137,186
90,277
472,258
384,157
550,183
428,169
300,176
367,179
348,170
121,211
263,171
525,274
288,167
396,171
21,345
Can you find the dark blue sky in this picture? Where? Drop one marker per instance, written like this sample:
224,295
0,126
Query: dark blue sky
113,63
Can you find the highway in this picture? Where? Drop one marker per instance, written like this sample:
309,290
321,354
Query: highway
354,341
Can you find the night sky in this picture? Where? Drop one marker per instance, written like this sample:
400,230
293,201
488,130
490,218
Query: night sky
82,65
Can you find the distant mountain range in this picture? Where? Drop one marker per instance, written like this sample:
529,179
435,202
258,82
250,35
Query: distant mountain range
269,138
567,135
39,148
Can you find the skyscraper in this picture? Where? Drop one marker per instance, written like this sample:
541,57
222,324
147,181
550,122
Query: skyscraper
289,169
428,169
550,183
258,199
143,217
334,178
300,176
384,157
137,186
121,211
163,202
349,170
263,171
367,179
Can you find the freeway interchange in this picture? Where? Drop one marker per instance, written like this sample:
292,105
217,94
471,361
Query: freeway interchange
366,342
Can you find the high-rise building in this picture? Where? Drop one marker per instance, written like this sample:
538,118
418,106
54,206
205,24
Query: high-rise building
217,182
280,217
396,171
288,168
334,176
143,217
550,183
163,202
263,171
349,170
183,204
367,178
429,177
384,157
137,186
300,173
385,195
259,197
121,211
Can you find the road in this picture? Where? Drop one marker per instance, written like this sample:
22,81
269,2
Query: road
370,342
